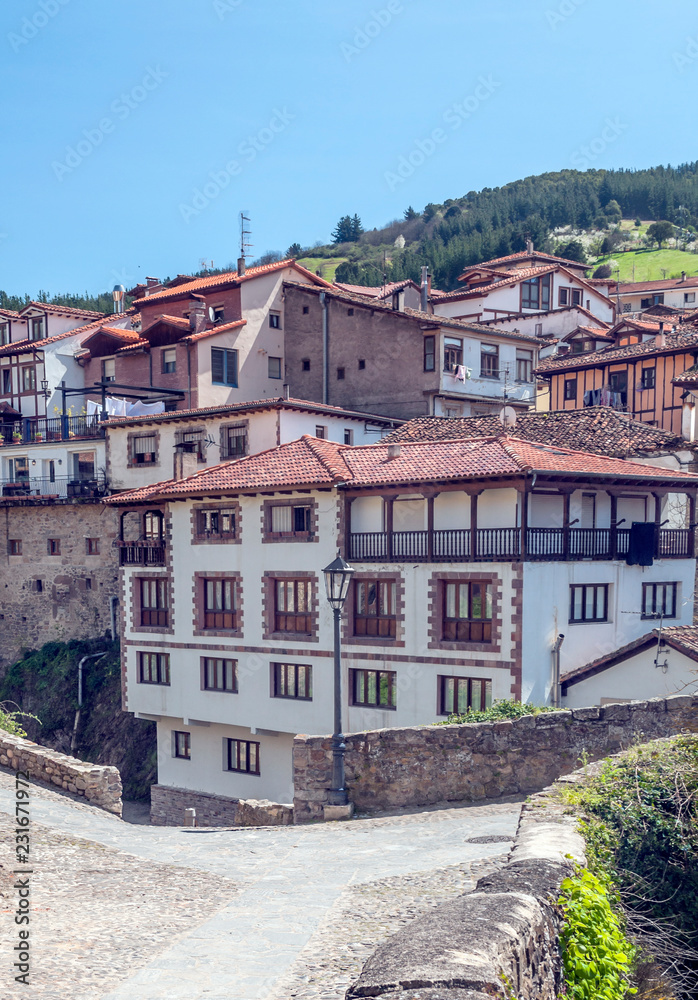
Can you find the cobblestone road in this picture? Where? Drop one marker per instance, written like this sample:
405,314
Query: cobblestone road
133,912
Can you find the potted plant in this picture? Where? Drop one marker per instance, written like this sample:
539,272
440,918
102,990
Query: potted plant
39,437
17,437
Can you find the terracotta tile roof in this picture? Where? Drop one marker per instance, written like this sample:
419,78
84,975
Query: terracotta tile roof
534,255
554,312
663,284
9,314
608,355
376,291
178,321
26,346
271,403
683,638
64,310
309,462
215,330
214,281
688,379
597,429
513,278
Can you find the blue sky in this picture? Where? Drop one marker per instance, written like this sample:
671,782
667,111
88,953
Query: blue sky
136,130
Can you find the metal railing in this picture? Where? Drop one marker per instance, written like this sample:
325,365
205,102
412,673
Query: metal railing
61,487
43,430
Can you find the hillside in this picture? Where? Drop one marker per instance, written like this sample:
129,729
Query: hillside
645,265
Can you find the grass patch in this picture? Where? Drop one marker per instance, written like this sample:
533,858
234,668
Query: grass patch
650,264
327,266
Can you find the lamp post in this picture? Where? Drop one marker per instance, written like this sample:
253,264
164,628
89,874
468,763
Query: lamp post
337,580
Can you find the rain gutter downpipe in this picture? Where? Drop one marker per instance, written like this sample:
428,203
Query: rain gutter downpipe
325,349
556,692
83,661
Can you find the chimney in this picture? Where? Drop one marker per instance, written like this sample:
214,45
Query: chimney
185,464
660,339
287,391
529,246
683,275
661,327
152,281
394,451
425,290
197,314
242,267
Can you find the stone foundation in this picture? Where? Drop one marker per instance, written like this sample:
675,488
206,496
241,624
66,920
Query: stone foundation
167,806
430,765
99,784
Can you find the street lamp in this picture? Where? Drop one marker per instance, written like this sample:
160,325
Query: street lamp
337,580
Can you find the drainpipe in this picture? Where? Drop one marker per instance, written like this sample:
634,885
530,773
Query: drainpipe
325,350
556,694
74,737
113,605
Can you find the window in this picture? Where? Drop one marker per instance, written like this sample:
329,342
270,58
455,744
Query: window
306,364
37,328
234,441
489,361
362,364
589,602
154,610
19,469
274,367
92,546
292,606
292,680
453,353
340,374
4,334
275,320
570,389
218,674
618,382
220,611
350,312
687,297
524,366
83,465
218,314
14,546
306,310
348,435
154,668
373,688
628,338
539,329
154,525
535,293
627,307
169,361
467,612
429,354
648,378
646,303
216,524
54,546
7,382
659,600
192,441
576,297
458,695
320,431
182,744
109,370
224,367
88,583
290,520
143,448
374,608
563,296
242,755
28,378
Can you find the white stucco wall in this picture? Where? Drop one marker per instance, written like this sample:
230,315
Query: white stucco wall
637,678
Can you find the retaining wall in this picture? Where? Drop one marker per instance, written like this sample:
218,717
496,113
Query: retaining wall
426,765
99,784
167,807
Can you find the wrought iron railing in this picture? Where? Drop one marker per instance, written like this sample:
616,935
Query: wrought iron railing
45,430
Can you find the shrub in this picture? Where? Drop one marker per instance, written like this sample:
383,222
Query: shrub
498,711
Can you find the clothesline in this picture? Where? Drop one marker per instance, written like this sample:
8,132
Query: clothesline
122,408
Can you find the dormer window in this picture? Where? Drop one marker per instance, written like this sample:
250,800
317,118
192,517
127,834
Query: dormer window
4,334
37,330
218,314
109,370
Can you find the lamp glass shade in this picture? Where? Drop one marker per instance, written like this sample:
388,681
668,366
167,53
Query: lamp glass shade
337,579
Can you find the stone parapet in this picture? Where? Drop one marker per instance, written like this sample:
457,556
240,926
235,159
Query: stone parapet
430,765
99,784
168,805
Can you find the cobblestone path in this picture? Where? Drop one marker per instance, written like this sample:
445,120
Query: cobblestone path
134,912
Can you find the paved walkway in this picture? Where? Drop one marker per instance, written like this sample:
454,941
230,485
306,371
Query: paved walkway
126,911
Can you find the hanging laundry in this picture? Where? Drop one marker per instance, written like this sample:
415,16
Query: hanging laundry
460,374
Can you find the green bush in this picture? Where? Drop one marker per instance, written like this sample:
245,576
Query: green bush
497,712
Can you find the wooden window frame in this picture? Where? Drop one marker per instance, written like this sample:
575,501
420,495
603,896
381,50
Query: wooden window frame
585,619
234,752
226,429
209,668
569,394
472,624
363,677
181,744
53,546
430,353
92,546
527,298
229,359
160,669
467,683
282,618
225,617
524,366
14,546
649,378
276,364
385,625
28,374
671,589
133,462
280,672
489,353
453,353
168,367
307,533
156,615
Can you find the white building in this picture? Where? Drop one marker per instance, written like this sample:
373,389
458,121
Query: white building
471,558
637,296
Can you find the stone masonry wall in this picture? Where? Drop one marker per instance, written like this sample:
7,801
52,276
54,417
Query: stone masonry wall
167,807
426,765
99,784
46,598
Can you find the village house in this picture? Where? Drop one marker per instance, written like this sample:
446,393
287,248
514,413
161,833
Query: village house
637,296
367,354
472,559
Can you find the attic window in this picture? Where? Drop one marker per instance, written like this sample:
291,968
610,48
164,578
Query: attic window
306,310
350,312
306,364
218,314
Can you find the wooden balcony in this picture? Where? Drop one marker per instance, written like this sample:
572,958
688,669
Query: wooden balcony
505,545
144,552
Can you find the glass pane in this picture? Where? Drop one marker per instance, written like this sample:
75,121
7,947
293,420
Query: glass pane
281,518
476,600
371,600
488,694
476,695
462,689
448,694
577,603
450,600
372,693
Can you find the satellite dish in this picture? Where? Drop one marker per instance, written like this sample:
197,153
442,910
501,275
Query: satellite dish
507,416
212,314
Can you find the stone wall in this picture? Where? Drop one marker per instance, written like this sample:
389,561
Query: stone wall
100,785
426,765
167,807
54,598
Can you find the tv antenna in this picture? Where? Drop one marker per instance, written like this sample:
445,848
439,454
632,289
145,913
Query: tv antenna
206,265
244,245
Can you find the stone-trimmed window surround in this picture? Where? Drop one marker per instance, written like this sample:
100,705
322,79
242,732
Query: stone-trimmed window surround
435,603
269,608
300,524
205,513
143,449
199,622
136,584
235,440
348,618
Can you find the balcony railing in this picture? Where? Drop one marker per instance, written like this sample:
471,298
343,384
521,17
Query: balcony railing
504,545
45,430
60,487
144,552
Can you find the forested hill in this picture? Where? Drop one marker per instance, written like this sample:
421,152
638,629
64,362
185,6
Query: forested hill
481,225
